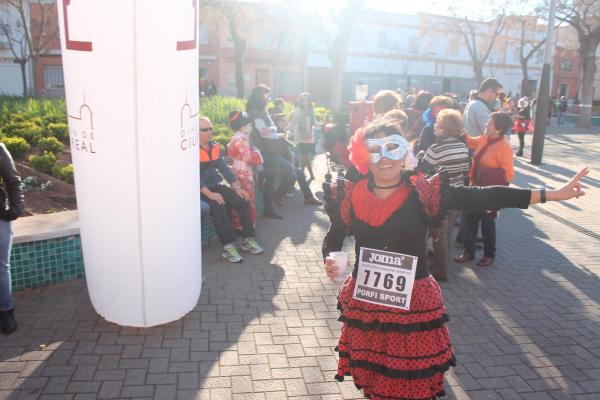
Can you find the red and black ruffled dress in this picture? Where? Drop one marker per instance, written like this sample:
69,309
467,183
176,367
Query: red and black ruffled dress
389,352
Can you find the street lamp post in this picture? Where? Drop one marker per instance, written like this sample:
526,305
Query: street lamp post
543,97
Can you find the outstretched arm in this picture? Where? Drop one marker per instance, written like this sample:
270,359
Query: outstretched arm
566,192
476,198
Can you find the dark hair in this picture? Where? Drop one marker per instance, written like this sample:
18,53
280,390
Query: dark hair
303,96
385,125
489,83
386,100
423,99
256,101
502,121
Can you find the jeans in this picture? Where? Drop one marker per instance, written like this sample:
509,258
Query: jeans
304,187
6,302
204,209
559,119
220,214
276,166
488,232
521,142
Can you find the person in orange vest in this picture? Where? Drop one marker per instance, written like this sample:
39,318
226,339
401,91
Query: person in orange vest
220,198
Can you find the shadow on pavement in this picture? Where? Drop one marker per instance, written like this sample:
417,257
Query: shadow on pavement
528,323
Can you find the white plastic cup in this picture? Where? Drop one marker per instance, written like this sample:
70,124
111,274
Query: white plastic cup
341,260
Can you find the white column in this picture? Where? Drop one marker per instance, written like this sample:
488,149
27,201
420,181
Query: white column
131,77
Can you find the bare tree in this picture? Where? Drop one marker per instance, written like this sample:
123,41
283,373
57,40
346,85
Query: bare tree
584,17
236,14
16,44
528,46
478,43
479,36
337,43
39,27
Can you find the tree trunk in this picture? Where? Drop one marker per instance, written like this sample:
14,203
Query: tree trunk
34,80
23,66
337,80
588,71
478,70
525,86
240,49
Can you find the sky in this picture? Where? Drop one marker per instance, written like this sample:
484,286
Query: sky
469,8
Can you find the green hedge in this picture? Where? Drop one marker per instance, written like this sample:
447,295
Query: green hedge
39,127
43,163
51,144
18,147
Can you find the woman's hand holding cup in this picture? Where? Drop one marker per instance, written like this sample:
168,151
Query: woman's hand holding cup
336,265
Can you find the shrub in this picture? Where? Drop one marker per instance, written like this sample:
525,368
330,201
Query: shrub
59,130
19,117
43,163
17,147
217,108
50,144
26,130
63,173
30,182
67,174
222,134
54,119
323,114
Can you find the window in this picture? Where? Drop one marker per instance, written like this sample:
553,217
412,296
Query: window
262,77
563,90
287,83
566,65
203,34
413,45
53,77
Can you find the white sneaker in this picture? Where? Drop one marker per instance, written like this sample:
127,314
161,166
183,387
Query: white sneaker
231,254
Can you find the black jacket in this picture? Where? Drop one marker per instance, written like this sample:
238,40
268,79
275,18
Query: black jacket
426,139
11,195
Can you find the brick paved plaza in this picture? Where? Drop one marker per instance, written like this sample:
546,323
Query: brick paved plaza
526,328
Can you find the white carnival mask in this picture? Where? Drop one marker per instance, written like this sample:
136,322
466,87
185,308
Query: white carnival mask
393,147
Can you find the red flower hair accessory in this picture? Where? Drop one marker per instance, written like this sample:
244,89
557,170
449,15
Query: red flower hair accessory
359,152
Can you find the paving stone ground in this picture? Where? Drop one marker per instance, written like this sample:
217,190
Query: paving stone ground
526,328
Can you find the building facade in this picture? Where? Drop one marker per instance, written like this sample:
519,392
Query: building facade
387,51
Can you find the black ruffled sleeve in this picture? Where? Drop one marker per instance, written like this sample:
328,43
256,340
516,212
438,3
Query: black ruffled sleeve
489,198
337,206
434,195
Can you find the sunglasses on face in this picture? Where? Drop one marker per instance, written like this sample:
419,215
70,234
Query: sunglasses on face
206,129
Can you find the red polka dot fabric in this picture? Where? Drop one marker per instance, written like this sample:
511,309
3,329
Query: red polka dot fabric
392,353
429,190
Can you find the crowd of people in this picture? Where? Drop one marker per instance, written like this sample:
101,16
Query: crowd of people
268,152
410,172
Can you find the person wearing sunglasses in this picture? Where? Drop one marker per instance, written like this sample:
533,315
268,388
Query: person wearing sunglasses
222,198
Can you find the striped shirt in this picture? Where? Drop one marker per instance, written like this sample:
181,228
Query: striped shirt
452,155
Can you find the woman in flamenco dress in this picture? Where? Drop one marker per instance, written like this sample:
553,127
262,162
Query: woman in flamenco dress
393,353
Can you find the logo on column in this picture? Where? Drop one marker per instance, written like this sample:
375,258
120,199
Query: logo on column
81,130
189,128
191,44
75,45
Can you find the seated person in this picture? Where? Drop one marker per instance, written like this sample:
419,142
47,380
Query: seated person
204,209
220,198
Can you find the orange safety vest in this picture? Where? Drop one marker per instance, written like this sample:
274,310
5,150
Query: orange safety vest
215,153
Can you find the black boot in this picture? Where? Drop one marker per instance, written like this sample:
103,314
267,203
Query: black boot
8,322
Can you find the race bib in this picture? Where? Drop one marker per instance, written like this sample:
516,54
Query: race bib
385,278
